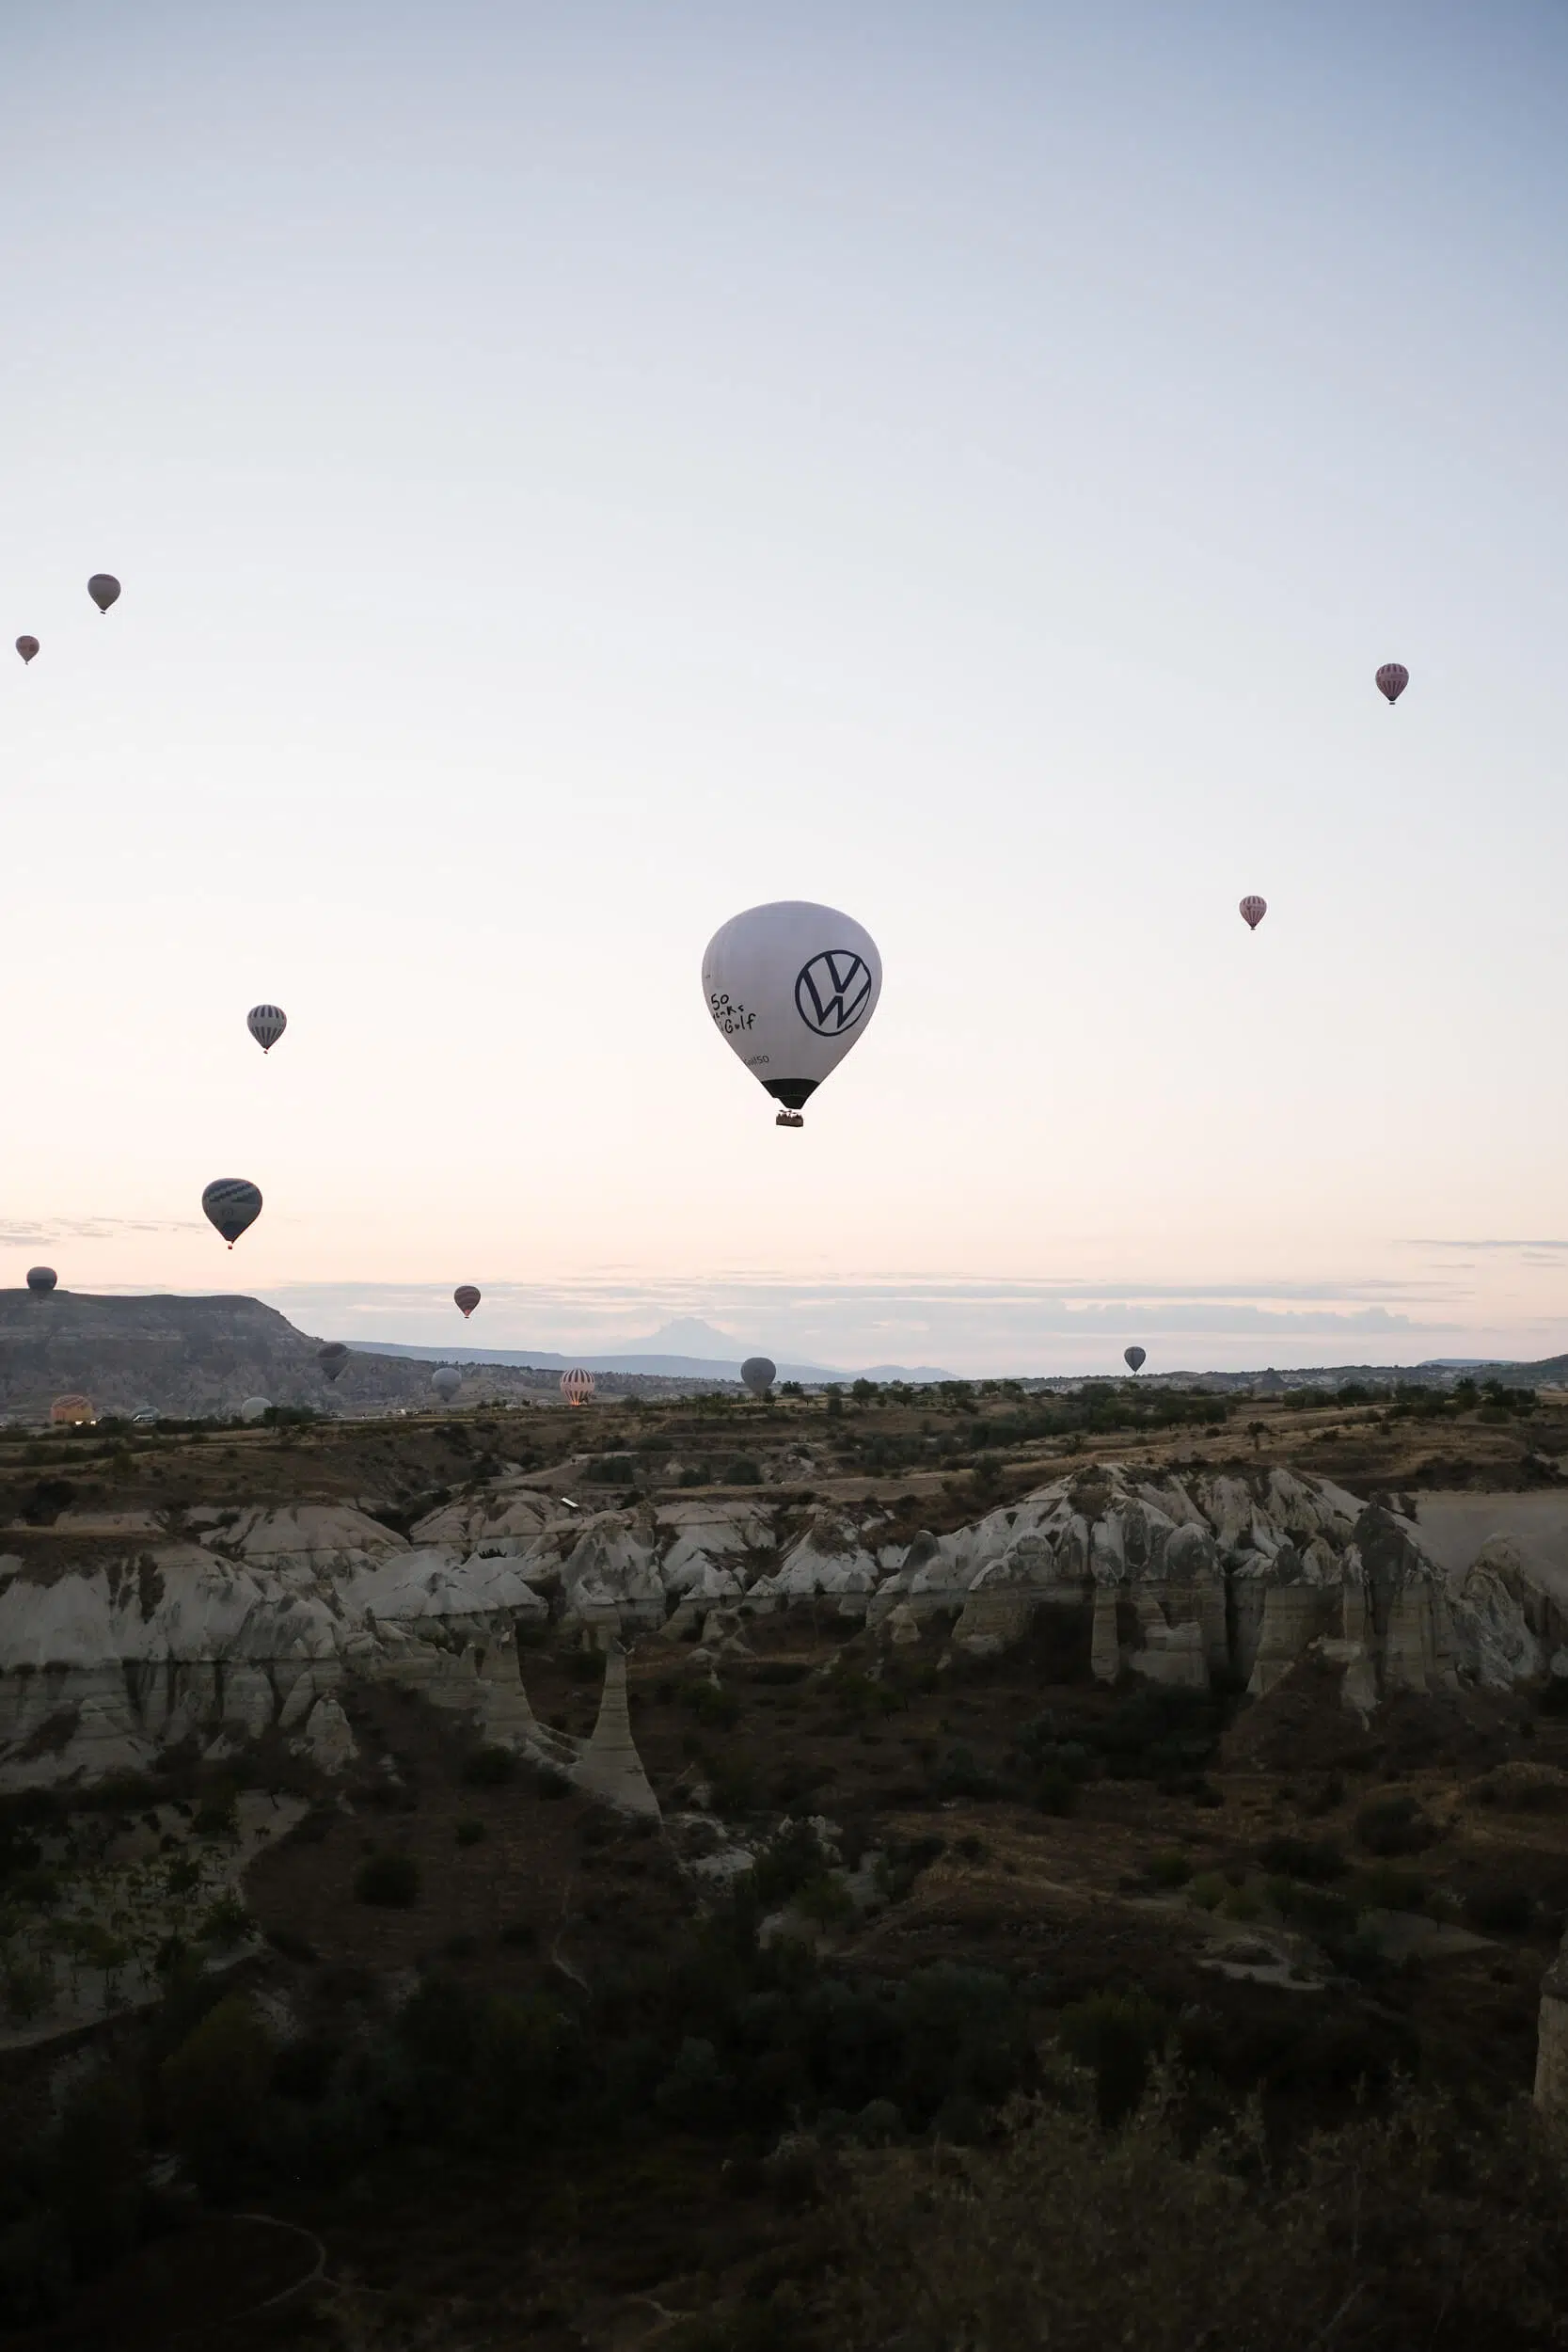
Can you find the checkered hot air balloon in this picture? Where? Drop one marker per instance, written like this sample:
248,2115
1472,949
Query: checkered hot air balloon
232,1203
466,1299
1253,911
577,1386
1393,679
267,1023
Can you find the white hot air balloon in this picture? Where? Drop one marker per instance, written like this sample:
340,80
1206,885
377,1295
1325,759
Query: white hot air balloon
446,1381
790,988
759,1374
255,1408
267,1023
577,1386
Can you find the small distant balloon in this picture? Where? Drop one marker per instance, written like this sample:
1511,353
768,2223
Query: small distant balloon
72,1409
41,1280
1134,1358
759,1374
267,1023
466,1298
232,1203
103,588
332,1357
27,647
577,1386
446,1381
255,1408
1393,679
1253,912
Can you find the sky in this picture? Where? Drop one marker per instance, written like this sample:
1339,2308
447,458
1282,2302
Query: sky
576,473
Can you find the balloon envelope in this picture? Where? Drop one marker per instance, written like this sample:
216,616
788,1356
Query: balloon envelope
790,988
27,647
446,1381
1253,912
759,1374
577,1386
72,1409
267,1023
255,1408
332,1357
231,1203
1393,679
41,1280
467,1298
102,588
1134,1358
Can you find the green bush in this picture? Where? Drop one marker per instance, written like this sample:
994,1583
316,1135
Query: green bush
1209,1891
213,2091
742,1472
1169,1870
470,1832
225,1923
1053,1791
390,1880
1117,2034
1316,1860
710,1703
1393,1827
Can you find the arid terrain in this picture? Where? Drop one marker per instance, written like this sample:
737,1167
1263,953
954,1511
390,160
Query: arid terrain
1128,1755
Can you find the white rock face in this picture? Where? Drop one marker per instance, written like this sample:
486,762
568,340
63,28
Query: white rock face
124,1633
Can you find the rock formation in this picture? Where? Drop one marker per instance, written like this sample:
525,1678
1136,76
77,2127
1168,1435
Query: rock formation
130,1633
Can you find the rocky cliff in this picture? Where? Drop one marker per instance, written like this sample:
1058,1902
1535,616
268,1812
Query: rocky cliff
124,1634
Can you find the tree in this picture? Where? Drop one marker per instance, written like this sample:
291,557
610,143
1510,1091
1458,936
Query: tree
1257,1431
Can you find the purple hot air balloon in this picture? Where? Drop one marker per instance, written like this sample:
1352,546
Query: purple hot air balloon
1393,679
27,647
466,1298
1253,912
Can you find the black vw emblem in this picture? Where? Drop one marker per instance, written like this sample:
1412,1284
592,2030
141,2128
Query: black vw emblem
833,990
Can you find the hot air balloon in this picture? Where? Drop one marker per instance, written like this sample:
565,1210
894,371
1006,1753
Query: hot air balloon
1393,679
72,1409
41,1280
577,1386
1253,912
102,588
759,1374
446,1381
231,1203
255,1408
790,988
466,1298
27,647
332,1357
267,1023
1134,1358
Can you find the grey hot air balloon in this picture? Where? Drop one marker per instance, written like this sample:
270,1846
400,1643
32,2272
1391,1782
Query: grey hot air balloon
27,647
41,1280
759,1374
1134,1358
1252,911
446,1381
103,588
466,1298
1393,679
231,1203
267,1023
255,1408
332,1357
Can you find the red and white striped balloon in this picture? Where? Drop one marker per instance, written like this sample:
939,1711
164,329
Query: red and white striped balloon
1253,912
577,1386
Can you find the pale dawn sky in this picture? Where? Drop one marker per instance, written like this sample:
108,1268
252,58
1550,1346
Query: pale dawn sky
576,473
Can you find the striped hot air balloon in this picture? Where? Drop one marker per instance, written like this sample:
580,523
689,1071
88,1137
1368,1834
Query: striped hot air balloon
466,1298
1393,679
267,1023
72,1409
1253,912
577,1386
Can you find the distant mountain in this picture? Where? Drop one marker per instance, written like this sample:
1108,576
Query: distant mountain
664,1366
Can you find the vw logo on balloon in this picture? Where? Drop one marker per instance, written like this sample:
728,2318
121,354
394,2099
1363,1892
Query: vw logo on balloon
833,990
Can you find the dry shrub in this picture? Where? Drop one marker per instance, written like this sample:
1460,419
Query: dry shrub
1409,2227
